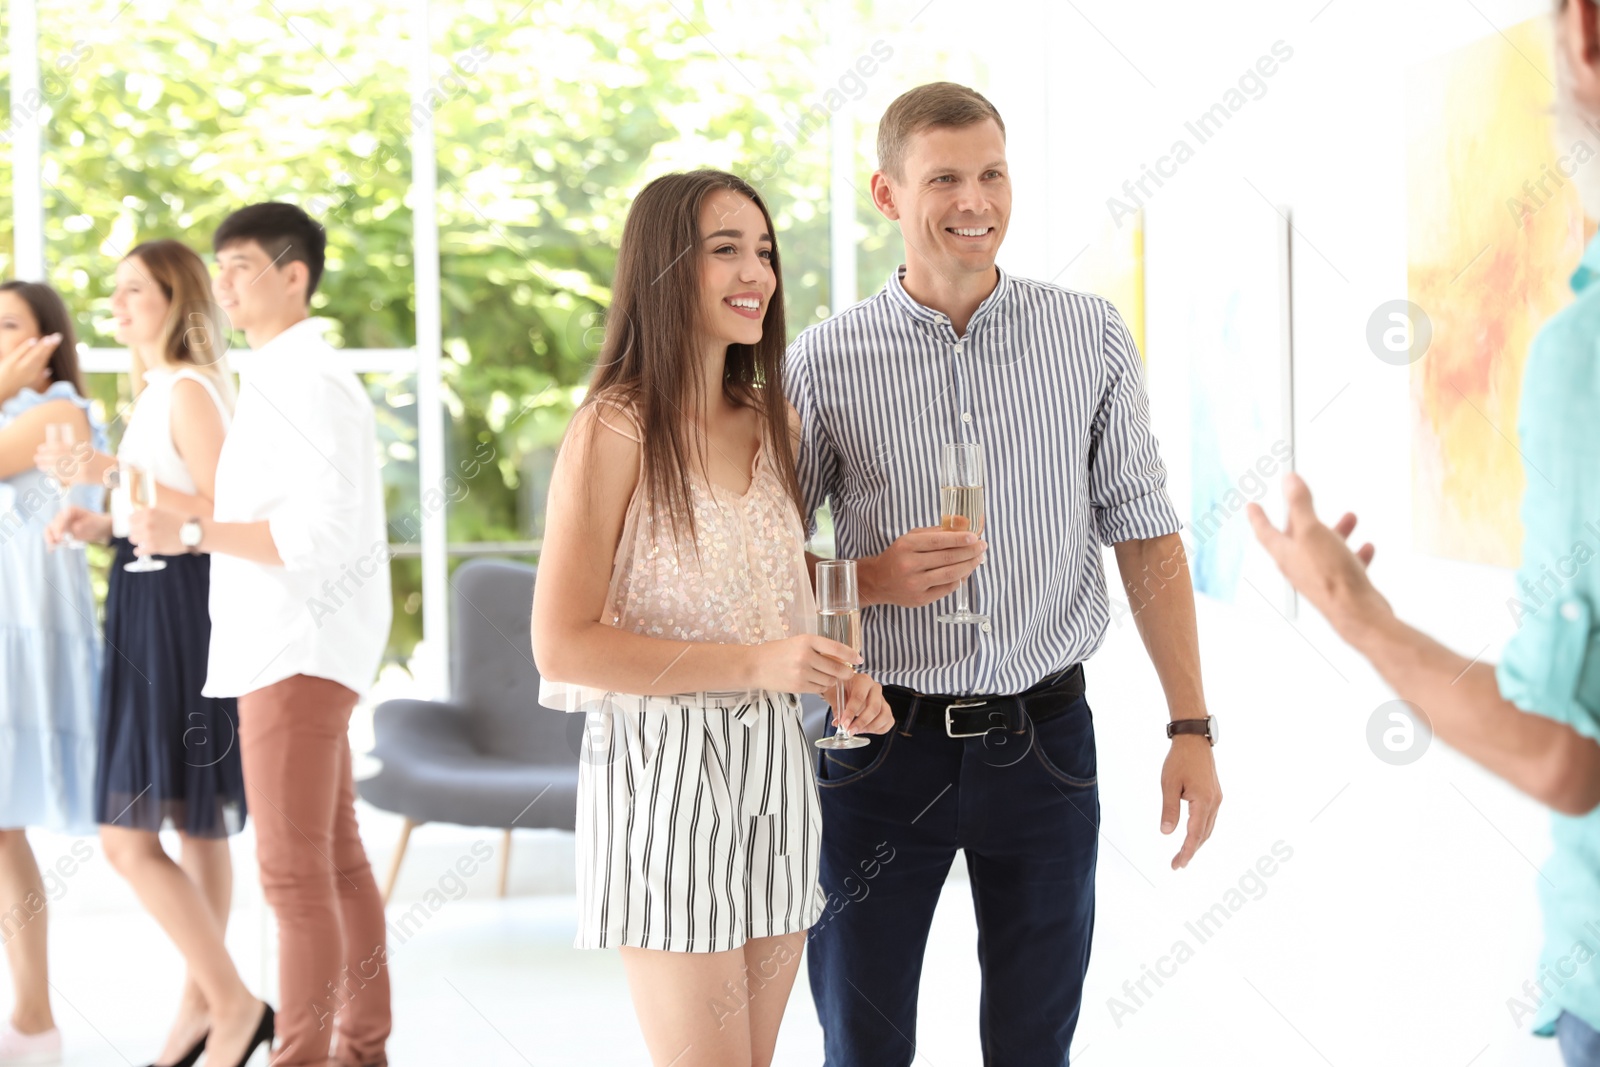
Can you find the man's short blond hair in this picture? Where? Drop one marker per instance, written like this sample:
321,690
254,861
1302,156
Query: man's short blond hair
937,104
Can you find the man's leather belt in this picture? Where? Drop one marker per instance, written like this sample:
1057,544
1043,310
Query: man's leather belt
974,716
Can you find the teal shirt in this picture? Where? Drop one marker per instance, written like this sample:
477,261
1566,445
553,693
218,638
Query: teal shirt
1551,666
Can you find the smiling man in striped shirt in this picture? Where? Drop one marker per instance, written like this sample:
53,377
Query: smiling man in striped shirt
993,748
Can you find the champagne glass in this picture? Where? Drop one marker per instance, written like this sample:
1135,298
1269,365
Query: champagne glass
120,506
839,619
57,434
140,483
961,496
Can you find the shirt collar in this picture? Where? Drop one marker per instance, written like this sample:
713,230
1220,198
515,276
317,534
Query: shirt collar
1588,267
286,345
904,301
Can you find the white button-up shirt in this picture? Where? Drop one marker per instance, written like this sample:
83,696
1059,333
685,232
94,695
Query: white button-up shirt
302,455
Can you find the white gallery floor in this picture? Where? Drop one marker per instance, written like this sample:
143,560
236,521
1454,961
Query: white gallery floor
1398,934
483,981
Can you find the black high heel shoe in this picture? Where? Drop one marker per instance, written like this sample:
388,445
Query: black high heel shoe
265,1031
191,1057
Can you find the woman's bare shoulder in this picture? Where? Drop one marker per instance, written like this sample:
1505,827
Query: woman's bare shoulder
595,478
603,448
617,410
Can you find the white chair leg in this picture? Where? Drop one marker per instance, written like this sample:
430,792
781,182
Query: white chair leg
399,854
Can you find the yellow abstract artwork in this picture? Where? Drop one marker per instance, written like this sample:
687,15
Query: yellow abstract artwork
1494,231
1112,266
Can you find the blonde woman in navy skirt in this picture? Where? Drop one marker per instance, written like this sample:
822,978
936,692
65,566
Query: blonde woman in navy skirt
169,757
674,609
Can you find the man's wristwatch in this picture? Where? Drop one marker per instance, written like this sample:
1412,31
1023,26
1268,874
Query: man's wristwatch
1206,727
190,534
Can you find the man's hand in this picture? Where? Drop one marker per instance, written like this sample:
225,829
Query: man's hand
922,566
1318,563
155,533
1190,774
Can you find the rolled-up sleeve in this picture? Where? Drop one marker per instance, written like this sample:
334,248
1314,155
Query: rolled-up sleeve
1551,665
1127,480
818,462
320,447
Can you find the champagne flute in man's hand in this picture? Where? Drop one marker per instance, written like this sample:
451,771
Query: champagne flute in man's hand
961,497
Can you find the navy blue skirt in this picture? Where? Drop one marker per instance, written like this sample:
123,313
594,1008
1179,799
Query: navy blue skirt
169,757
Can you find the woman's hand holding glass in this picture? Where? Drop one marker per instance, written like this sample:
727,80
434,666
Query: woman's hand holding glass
65,458
149,530
812,664
865,709
64,461
73,523
803,664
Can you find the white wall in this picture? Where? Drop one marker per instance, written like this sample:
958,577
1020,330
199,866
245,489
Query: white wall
1408,913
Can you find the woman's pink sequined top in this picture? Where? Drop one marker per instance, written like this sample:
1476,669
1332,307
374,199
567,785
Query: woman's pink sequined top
747,584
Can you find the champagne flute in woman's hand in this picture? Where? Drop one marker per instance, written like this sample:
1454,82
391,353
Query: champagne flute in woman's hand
141,485
839,619
59,435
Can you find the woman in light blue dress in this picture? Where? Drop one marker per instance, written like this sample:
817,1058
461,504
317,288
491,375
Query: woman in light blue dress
49,647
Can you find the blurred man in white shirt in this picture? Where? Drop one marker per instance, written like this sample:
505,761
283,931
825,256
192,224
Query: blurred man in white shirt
300,613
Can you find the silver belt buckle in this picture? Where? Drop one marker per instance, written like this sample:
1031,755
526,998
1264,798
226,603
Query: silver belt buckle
949,726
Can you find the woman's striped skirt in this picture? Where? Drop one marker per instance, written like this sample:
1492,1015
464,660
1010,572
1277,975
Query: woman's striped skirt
698,823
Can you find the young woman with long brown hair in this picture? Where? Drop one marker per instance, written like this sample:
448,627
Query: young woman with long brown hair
169,756
674,608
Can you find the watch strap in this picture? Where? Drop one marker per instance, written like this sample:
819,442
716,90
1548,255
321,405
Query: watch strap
1190,726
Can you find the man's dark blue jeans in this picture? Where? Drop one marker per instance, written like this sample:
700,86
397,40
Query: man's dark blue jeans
1023,804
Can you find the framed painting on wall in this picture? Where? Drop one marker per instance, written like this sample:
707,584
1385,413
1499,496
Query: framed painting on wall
1217,262
1494,231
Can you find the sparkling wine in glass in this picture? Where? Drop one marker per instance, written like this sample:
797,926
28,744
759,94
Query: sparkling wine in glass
57,434
961,497
120,507
141,486
839,619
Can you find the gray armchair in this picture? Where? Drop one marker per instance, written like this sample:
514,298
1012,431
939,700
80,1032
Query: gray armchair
490,755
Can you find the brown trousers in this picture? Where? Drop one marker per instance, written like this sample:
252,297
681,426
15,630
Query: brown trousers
333,970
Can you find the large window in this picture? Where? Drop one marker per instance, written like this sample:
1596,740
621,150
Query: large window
548,125
157,119
164,117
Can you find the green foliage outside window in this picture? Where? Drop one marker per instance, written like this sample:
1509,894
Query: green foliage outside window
164,116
